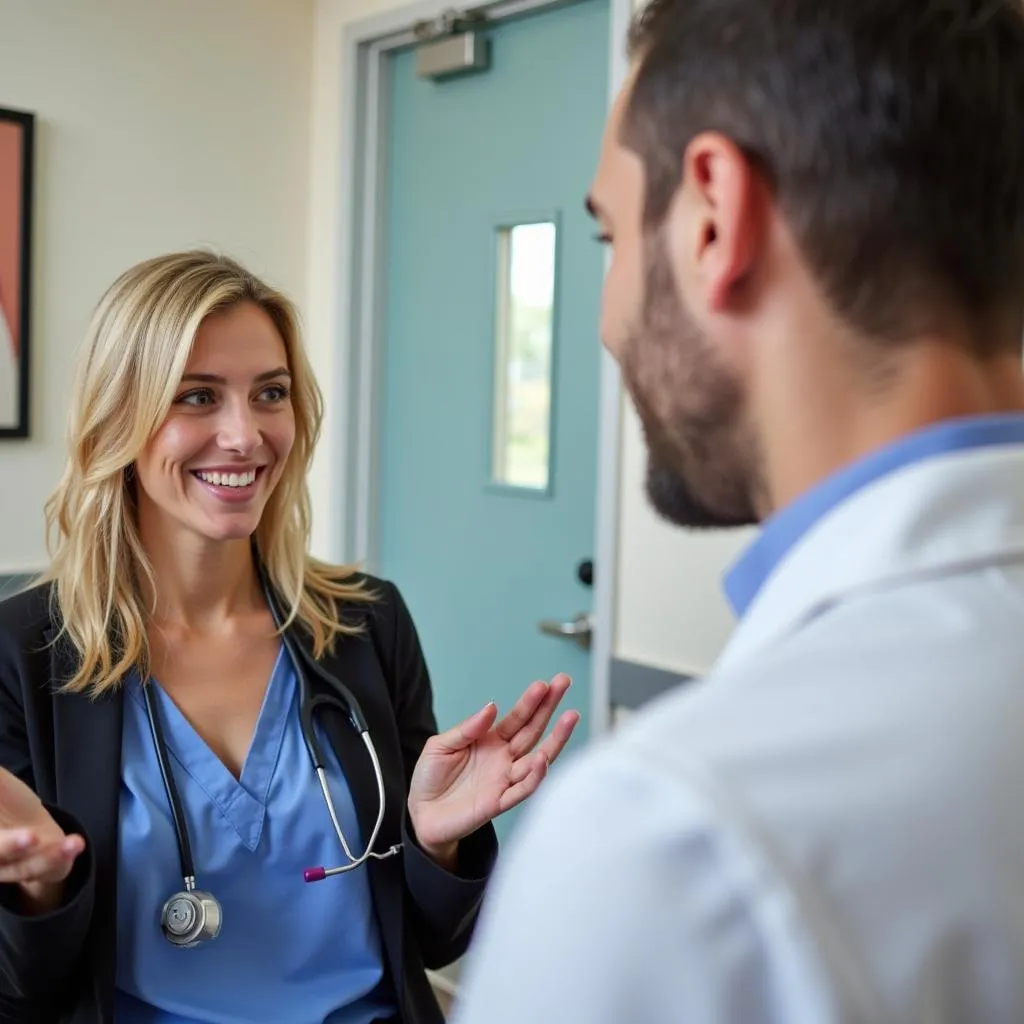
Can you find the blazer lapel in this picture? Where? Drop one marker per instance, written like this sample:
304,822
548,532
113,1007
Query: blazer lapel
349,663
87,772
87,757
354,662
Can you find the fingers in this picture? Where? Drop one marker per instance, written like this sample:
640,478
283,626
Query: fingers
15,842
525,765
26,858
536,767
548,751
467,732
555,743
523,710
530,732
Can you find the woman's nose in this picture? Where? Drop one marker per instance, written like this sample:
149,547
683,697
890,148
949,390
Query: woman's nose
238,429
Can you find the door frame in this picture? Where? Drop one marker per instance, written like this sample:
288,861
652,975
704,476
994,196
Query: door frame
358,310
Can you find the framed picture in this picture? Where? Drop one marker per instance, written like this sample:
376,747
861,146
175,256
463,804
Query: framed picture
17,130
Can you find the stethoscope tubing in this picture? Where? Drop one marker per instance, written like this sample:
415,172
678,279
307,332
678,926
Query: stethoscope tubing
340,697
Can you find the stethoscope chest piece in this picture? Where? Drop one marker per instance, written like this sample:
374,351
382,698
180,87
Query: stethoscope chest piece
190,918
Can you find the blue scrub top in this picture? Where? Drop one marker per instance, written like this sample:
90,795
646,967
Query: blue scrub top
288,950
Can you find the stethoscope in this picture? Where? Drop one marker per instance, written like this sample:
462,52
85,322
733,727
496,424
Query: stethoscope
193,916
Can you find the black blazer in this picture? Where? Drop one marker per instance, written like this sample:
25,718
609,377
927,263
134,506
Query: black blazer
61,966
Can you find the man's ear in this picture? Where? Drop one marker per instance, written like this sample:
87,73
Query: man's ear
721,195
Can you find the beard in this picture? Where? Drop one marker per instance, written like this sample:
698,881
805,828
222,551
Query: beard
702,465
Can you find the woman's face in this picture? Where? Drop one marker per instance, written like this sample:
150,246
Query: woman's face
220,452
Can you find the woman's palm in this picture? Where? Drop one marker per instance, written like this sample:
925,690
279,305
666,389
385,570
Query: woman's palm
21,808
481,768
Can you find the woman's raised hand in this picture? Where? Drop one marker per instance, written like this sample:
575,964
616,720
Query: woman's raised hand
35,853
482,767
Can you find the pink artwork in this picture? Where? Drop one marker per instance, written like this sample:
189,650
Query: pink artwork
16,145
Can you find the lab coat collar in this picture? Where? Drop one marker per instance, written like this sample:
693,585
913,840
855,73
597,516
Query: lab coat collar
934,517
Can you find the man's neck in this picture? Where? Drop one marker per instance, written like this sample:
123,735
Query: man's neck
929,384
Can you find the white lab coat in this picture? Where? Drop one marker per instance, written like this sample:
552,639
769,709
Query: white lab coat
830,828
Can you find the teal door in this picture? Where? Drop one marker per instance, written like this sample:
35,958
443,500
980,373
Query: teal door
488,441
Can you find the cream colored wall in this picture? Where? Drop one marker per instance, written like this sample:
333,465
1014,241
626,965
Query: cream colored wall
327,170
161,124
670,609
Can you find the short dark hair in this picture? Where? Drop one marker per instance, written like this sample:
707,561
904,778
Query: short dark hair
891,131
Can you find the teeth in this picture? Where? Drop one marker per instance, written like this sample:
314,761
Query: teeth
228,479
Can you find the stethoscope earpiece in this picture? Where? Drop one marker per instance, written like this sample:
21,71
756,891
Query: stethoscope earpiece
190,918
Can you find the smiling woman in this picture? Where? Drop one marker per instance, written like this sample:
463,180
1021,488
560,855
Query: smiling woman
216,459
157,698
170,382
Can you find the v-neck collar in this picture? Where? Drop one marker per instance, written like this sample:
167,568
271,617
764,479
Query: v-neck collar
242,801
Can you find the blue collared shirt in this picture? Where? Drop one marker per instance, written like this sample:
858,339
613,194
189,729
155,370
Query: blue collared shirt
783,530
288,950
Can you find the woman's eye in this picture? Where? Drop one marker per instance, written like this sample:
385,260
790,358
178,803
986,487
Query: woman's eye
274,393
202,396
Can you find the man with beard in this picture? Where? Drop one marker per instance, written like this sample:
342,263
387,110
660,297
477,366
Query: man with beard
816,209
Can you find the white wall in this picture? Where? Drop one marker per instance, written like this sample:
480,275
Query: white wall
670,609
327,170
161,124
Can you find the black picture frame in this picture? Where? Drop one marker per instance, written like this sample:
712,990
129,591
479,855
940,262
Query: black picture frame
17,169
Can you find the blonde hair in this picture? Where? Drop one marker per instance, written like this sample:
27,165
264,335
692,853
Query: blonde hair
127,374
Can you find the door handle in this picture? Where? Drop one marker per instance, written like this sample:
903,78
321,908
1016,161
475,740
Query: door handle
579,630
